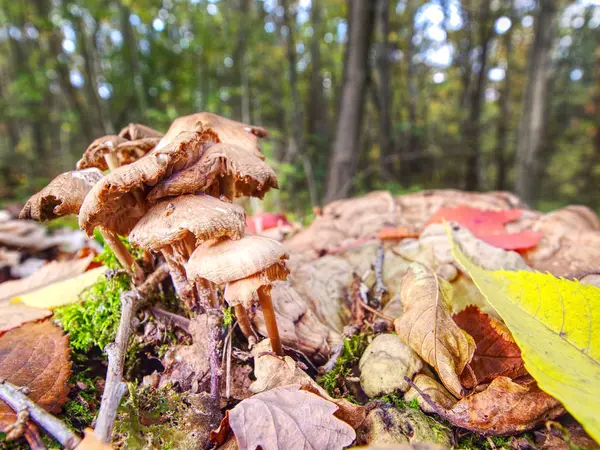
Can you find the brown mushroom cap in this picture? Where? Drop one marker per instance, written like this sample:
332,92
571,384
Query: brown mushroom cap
228,131
94,154
201,216
125,151
112,202
228,261
63,195
135,131
248,175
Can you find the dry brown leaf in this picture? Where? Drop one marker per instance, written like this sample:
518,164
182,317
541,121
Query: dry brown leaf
504,408
273,371
36,356
91,442
496,352
413,446
291,418
48,274
438,393
13,315
427,326
299,327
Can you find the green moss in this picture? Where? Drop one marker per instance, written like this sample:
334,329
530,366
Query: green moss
398,401
352,350
108,258
228,317
94,321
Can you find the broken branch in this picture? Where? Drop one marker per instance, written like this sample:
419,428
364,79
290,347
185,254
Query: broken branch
18,401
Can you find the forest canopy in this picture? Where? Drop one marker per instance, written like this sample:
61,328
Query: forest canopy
443,94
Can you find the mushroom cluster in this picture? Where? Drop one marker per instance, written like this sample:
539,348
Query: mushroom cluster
172,195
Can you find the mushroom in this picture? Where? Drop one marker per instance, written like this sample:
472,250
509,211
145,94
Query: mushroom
64,195
224,169
135,131
175,227
228,131
117,201
110,152
247,267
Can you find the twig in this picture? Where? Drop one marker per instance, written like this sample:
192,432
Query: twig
441,412
214,339
227,357
115,388
18,401
374,311
175,319
349,331
17,429
380,288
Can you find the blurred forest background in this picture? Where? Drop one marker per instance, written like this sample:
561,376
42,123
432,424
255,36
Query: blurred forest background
357,95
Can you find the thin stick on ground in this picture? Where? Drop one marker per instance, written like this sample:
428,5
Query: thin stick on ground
380,288
115,388
18,401
375,312
214,339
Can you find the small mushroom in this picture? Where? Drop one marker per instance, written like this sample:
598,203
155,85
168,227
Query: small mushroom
110,152
247,268
64,195
175,227
228,131
224,169
135,131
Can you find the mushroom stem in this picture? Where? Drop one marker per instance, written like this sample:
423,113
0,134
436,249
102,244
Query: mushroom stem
123,255
182,286
206,293
264,297
214,339
244,322
111,161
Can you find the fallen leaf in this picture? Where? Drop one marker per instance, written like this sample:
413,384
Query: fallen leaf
36,356
496,352
62,292
414,446
504,408
265,221
13,315
396,233
556,324
291,417
385,363
427,326
438,393
48,274
489,226
91,442
273,371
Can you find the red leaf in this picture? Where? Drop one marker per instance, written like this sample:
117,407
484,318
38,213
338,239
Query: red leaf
264,221
496,353
489,226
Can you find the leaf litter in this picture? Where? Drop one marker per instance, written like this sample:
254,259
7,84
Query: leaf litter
475,369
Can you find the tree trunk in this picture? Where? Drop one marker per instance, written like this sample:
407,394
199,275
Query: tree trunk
241,103
386,145
413,162
346,145
473,126
505,110
533,121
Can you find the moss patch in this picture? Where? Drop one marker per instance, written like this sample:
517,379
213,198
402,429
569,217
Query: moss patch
334,380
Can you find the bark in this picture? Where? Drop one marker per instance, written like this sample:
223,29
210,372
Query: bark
240,55
533,121
473,126
346,145
505,110
413,145
317,108
384,97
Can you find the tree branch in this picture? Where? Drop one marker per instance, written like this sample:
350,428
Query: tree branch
115,387
18,401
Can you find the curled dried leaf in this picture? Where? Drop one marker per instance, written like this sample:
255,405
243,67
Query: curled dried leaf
427,326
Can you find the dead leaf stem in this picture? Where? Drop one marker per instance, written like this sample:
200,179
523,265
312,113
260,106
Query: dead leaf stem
19,402
380,288
115,388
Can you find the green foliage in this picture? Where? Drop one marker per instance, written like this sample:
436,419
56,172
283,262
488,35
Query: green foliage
352,350
474,442
399,402
94,321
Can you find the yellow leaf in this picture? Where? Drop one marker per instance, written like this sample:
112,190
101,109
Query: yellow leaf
556,323
62,293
